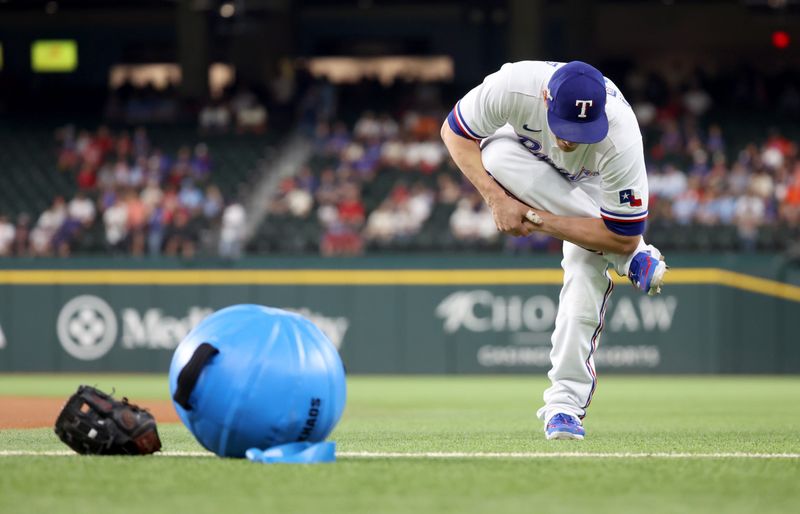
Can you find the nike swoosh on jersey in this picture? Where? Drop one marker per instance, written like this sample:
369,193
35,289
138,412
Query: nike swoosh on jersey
525,126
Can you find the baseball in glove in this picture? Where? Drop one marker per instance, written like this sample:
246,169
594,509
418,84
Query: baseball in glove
94,423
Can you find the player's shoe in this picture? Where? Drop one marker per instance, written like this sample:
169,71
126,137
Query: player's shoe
564,426
646,272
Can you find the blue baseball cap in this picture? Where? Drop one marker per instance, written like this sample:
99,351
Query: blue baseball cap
576,108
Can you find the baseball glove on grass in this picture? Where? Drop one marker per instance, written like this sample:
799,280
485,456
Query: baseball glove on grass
94,423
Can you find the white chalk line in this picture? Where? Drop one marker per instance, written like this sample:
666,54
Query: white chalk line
468,455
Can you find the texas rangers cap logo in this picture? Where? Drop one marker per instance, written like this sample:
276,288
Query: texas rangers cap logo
629,196
583,104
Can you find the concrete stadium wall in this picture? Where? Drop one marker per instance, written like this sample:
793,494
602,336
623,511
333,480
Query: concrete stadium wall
404,315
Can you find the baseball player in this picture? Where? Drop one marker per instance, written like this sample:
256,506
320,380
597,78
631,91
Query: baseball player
555,148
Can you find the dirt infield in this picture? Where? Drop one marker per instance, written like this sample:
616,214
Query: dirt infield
36,412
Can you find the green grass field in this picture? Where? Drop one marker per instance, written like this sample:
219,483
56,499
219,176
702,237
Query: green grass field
716,444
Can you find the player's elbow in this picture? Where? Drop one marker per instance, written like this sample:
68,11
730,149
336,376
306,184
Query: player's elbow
626,244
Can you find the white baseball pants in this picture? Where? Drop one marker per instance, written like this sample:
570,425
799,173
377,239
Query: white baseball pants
587,284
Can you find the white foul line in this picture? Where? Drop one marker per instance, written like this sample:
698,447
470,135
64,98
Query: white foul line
580,455
468,455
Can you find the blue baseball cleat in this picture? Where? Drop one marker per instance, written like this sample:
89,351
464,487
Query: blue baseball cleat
564,426
646,272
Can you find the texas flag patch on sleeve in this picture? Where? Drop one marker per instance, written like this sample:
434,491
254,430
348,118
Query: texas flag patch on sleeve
625,223
628,196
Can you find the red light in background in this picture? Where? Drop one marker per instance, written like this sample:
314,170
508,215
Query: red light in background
780,39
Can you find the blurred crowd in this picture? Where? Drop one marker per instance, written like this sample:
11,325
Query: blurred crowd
345,188
128,197
758,187
379,179
714,157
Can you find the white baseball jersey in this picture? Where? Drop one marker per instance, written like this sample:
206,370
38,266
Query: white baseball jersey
612,169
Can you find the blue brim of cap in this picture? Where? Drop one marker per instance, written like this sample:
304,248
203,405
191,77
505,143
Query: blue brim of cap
585,133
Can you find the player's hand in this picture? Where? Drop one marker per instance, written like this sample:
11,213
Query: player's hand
510,216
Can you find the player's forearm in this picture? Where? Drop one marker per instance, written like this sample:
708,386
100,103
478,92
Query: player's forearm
589,233
467,156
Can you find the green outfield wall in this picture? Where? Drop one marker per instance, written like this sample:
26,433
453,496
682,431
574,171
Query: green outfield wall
402,315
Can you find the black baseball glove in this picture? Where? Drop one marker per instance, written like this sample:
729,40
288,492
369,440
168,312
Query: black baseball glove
94,423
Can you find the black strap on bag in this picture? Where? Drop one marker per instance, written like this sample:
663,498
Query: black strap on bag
188,376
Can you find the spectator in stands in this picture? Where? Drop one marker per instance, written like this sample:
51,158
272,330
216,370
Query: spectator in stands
762,184
306,180
714,208
190,197
715,142
341,239
671,141
47,225
67,154
367,127
425,155
342,223
750,215
393,152
393,220
215,118
449,190
352,153
292,199
337,141
87,178
669,183
65,237
82,209
232,234
684,206
181,236
21,244
7,235
251,116
420,205
115,219
151,195
382,223
80,214
181,167
141,142
122,173
389,129
299,201
156,227
790,203
201,164
136,222
472,220
328,191
213,203
696,100
138,173
350,207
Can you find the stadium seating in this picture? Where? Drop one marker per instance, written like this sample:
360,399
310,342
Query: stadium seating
32,177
